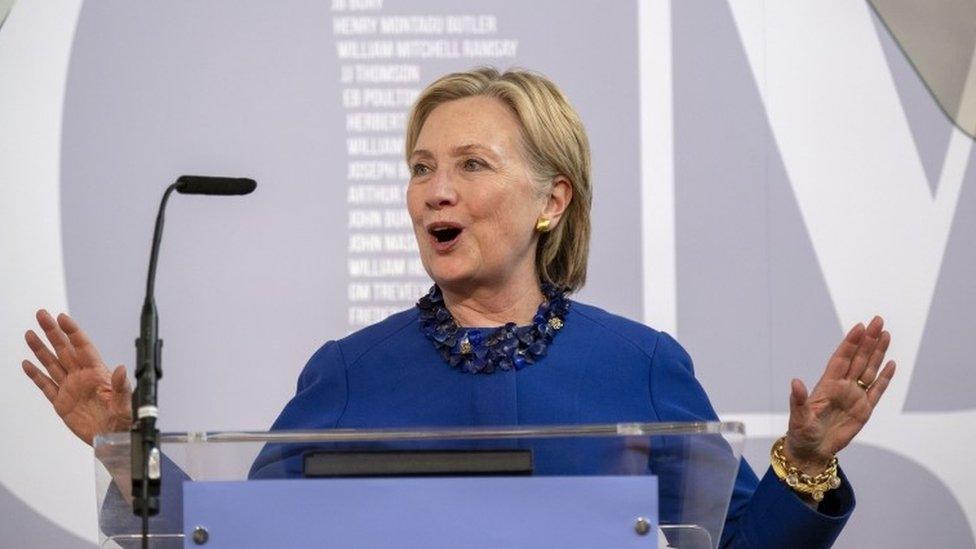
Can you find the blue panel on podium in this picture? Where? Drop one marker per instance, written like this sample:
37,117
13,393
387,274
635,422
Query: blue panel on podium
485,512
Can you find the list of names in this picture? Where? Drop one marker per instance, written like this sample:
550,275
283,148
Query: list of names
385,60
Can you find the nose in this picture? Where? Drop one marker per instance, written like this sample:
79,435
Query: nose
441,191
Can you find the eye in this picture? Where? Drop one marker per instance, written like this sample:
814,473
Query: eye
418,170
474,165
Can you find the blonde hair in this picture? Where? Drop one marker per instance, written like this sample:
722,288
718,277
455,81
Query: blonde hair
554,144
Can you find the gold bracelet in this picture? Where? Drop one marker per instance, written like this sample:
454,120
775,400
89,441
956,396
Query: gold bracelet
814,486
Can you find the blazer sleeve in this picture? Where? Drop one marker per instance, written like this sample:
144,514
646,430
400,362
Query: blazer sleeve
319,403
763,513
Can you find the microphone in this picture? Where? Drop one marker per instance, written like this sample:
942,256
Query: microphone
205,184
144,436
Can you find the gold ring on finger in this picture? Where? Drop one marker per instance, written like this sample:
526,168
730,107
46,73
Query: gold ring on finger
863,385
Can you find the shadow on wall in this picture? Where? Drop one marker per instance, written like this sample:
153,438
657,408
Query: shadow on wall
32,529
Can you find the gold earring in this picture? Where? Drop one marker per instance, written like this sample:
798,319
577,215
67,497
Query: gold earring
542,225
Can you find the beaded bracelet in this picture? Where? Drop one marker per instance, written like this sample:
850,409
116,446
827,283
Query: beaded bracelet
814,486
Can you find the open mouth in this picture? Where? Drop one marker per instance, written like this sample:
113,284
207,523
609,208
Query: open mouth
444,234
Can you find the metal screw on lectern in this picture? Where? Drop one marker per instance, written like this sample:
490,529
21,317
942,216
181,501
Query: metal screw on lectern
200,535
642,526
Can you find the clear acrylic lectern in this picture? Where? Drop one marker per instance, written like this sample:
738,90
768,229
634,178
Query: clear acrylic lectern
616,485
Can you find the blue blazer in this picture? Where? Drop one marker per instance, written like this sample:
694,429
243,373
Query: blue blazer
601,368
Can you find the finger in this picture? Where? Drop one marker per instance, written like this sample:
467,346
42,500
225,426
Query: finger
871,336
58,339
878,387
45,356
874,363
840,361
85,350
44,383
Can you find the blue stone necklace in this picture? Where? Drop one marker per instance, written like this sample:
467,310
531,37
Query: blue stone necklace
479,350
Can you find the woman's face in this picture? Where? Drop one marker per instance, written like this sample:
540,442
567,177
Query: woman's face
472,198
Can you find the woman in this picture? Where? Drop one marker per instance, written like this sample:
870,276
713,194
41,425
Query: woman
499,197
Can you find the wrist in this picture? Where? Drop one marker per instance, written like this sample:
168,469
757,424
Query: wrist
812,481
808,463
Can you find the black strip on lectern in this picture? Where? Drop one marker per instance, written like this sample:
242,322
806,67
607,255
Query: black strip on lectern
395,463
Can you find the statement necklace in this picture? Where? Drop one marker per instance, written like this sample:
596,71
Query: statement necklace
476,350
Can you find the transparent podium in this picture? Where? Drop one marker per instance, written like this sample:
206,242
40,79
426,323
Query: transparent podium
607,485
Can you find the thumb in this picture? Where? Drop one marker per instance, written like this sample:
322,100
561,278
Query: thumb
120,383
798,397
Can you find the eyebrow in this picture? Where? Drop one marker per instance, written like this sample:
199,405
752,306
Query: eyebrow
457,151
470,148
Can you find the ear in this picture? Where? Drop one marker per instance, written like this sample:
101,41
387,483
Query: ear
558,200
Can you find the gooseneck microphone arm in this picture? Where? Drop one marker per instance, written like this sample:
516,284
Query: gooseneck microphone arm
146,457
145,464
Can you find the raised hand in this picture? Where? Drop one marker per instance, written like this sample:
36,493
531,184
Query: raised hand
825,421
87,397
